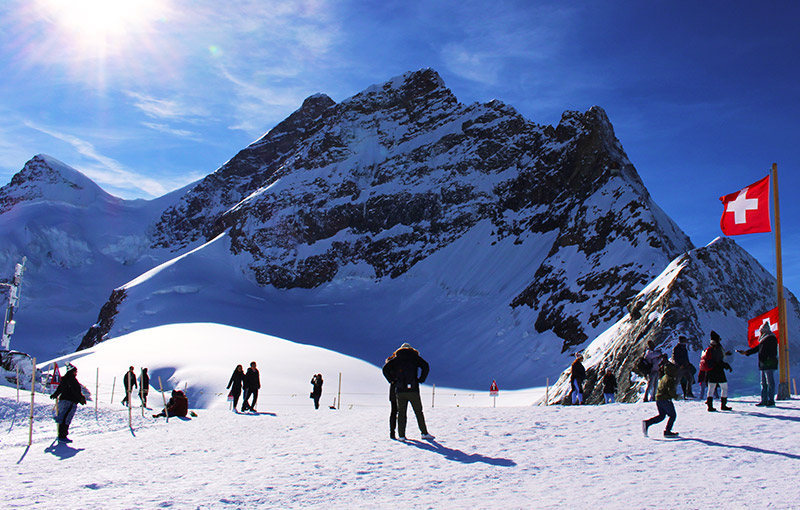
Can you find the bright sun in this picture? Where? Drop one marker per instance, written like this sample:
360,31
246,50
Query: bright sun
103,24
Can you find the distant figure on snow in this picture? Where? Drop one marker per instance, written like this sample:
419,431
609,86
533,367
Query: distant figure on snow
178,405
665,394
577,374
680,356
406,370
144,387
713,360
252,383
69,395
767,350
609,386
316,392
235,385
654,356
128,384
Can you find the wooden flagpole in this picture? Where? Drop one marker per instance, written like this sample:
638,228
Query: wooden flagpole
783,344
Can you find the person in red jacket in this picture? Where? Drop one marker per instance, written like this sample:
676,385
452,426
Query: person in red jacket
178,405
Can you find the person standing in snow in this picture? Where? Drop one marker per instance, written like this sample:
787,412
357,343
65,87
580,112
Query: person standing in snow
609,386
144,387
235,385
128,383
406,370
392,398
316,392
577,374
252,383
767,350
714,360
665,394
654,356
69,395
680,356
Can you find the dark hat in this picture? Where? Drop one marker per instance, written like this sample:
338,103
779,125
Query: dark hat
715,336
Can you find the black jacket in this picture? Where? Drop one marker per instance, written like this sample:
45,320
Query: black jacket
680,355
609,383
69,389
406,370
718,365
129,381
252,381
317,382
235,384
767,350
577,373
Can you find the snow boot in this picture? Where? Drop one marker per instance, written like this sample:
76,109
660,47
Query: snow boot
645,426
669,433
710,404
391,435
724,405
63,430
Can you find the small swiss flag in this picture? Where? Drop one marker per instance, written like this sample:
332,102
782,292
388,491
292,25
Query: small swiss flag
747,211
754,326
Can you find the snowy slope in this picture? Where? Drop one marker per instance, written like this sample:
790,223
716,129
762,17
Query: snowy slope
80,243
291,456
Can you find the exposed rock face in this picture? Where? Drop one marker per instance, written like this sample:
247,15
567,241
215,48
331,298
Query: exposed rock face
717,287
395,173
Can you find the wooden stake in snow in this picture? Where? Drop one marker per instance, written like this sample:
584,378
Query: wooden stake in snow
96,391
161,388
339,400
33,396
17,368
547,391
113,385
433,394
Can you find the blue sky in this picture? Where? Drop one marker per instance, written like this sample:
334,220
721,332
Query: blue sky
145,96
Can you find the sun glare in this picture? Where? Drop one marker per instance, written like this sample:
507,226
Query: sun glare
102,24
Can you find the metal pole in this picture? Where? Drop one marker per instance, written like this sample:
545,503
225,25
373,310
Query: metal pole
339,400
783,344
33,394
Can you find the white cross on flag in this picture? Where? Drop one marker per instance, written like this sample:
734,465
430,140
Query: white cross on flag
747,211
754,326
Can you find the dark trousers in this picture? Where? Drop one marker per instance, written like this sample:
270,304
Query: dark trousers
665,408
247,393
316,397
393,415
403,399
768,386
235,395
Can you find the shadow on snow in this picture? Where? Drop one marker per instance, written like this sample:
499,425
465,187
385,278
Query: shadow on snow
458,455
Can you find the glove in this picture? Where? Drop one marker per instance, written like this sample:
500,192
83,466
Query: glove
83,400
727,367
53,396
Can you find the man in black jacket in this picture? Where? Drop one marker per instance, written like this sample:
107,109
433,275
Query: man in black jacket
128,384
767,350
252,383
406,370
69,395
680,356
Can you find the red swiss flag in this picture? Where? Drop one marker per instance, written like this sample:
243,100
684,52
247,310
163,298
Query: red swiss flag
754,326
747,211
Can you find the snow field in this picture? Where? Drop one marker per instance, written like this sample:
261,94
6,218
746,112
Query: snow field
509,457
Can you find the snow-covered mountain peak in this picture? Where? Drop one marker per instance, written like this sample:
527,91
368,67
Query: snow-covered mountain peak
46,178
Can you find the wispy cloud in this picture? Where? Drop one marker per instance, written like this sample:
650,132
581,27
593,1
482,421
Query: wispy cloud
181,133
170,109
105,170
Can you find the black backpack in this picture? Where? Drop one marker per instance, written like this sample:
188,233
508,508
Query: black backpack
643,366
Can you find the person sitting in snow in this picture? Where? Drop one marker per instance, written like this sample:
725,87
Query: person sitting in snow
576,376
665,394
69,395
178,405
406,370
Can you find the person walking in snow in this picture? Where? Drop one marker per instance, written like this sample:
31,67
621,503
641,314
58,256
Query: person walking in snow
767,350
128,383
69,395
577,374
665,394
235,385
680,356
406,370
252,383
609,386
316,391
392,398
654,356
714,361
144,387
